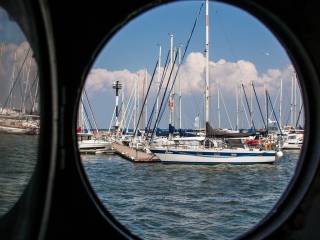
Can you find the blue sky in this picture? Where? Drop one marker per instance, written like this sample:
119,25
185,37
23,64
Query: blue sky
10,32
247,49
235,36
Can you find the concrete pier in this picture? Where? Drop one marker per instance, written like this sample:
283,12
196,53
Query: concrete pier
133,154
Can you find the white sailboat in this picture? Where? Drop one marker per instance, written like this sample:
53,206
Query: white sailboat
211,151
87,142
21,118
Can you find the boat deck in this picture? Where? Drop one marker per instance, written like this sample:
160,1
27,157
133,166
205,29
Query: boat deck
134,155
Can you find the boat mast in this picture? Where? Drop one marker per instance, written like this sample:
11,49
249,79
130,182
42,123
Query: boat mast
291,102
237,108
206,51
81,117
135,103
26,88
13,76
219,112
159,79
251,104
295,100
35,104
146,104
280,107
138,102
180,104
172,94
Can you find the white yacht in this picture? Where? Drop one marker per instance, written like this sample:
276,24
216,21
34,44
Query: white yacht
20,124
211,151
293,141
88,144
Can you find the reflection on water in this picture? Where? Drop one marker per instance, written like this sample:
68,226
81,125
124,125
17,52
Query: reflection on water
18,155
158,201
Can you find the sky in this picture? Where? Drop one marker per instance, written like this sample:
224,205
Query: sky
16,63
242,50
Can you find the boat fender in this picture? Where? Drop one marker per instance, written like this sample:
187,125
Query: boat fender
279,154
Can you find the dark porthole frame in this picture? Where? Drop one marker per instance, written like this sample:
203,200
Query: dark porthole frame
304,173
25,220
59,202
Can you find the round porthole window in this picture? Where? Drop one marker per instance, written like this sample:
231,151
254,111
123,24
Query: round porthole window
191,122
19,112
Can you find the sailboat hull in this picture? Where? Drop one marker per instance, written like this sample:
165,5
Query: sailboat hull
215,156
17,130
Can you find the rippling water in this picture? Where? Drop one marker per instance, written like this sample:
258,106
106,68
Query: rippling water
18,155
159,201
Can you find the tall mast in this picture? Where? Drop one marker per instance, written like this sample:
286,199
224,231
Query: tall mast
219,112
26,88
280,107
34,103
180,125
172,94
146,106
206,51
295,101
291,103
251,104
159,79
266,101
13,76
300,102
81,115
237,105
135,103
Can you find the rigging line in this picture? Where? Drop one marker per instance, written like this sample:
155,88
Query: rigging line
21,94
183,56
227,112
91,111
255,93
130,118
27,87
36,95
186,48
164,96
267,112
32,85
288,117
124,117
158,93
244,110
145,98
15,81
114,110
274,114
86,115
245,96
299,115
276,99
130,111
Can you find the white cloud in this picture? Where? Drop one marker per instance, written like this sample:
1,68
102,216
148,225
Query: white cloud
227,74
101,79
13,61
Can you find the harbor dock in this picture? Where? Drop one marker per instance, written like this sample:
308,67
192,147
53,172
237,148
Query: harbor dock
134,155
